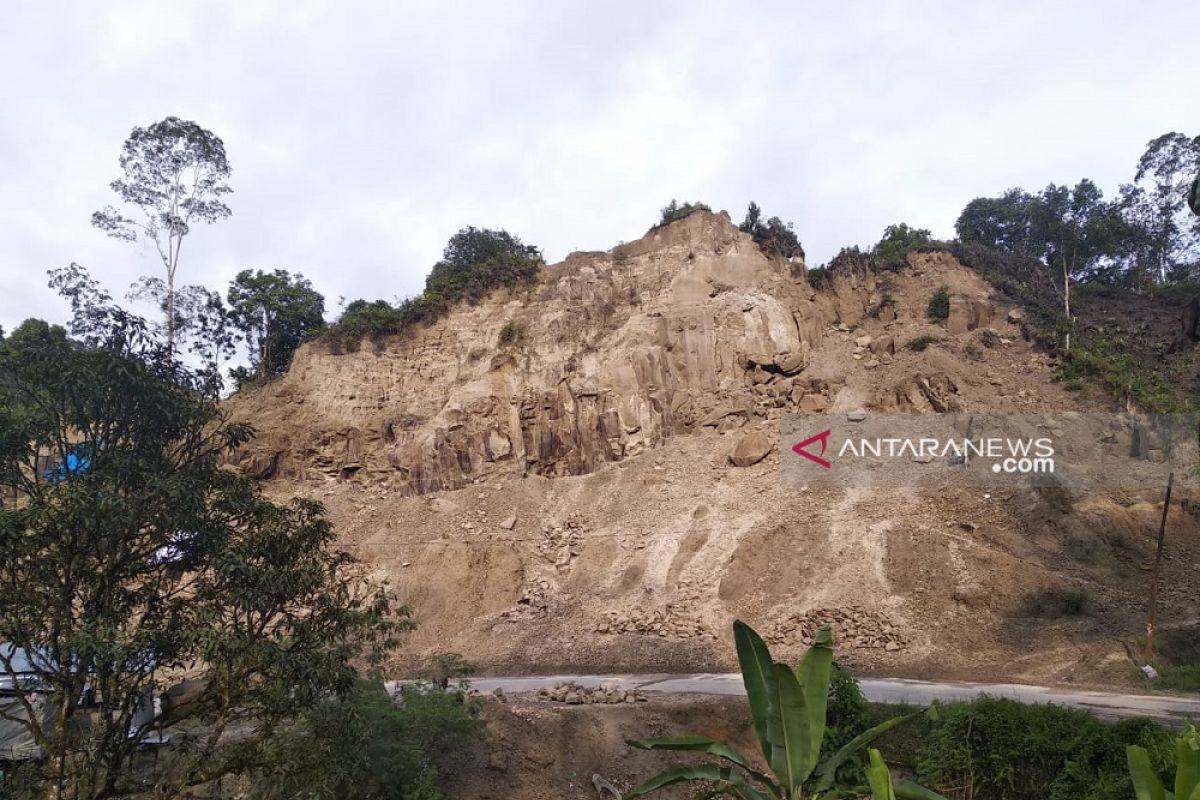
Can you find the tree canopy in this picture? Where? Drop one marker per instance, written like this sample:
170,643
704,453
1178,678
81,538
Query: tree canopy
130,557
275,312
174,173
774,237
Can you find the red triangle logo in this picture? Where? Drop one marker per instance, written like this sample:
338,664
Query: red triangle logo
823,438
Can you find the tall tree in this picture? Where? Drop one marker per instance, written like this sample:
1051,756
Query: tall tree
1076,231
1002,222
174,173
201,318
136,556
276,312
1156,203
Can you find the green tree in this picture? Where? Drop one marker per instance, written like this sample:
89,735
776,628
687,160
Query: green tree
1004,223
773,237
130,555
276,312
675,210
897,241
477,260
1156,205
202,319
174,173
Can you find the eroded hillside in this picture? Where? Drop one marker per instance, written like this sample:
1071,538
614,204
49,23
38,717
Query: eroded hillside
546,477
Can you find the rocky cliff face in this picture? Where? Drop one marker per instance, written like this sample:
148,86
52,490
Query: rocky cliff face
600,487
610,354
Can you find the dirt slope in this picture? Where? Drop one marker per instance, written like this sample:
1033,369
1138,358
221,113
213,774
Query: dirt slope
569,502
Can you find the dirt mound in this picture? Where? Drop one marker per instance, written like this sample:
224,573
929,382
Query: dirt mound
571,504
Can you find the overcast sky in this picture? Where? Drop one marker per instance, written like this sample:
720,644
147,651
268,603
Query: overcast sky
363,135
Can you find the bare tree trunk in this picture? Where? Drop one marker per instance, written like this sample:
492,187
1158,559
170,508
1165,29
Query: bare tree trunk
1162,534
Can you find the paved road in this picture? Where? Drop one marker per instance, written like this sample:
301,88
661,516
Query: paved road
1168,709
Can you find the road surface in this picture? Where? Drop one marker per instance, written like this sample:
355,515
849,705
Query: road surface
1167,709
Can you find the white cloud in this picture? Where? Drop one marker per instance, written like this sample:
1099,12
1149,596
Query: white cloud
363,135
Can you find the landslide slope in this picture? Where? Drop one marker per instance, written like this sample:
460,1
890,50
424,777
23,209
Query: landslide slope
561,497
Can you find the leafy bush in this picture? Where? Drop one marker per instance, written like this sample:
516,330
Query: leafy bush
367,745
939,305
892,250
972,351
993,749
919,344
673,211
845,717
774,237
474,263
1056,602
511,335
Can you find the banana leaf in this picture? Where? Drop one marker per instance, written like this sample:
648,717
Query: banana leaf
813,674
827,771
789,732
729,782
907,790
755,662
878,777
1146,785
703,744
1187,765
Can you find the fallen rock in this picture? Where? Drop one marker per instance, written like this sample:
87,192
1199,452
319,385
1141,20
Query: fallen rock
751,449
885,343
856,416
814,403
1016,315
509,523
790,363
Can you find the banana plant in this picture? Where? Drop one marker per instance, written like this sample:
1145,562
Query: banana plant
788,711
1146,784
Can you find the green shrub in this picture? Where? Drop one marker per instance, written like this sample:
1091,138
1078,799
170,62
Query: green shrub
1097,360
972,351
368,745
993,749
845,717
1056,602
673,211
892,250
511,335
919,344
474,263
773,237
939,304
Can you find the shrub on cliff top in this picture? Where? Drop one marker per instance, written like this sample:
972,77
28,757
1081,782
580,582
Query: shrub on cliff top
475,262
673,211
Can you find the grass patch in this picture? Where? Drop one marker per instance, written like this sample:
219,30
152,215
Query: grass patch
1178,677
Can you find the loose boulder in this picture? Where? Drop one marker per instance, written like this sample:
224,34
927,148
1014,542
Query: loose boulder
751,449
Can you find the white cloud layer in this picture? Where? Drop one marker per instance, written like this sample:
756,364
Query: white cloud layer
362,135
